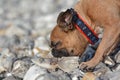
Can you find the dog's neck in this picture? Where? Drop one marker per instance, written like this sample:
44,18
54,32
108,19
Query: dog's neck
83,27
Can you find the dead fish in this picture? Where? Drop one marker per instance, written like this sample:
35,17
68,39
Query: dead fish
42,53
67,64
44,65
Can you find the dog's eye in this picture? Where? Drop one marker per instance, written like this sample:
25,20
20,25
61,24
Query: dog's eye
72,51
55,44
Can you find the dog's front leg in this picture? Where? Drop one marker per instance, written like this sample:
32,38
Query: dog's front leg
110,37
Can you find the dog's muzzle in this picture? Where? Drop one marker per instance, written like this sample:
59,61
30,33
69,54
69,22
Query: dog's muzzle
60,53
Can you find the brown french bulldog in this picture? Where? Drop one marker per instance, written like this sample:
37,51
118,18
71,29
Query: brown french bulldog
66,40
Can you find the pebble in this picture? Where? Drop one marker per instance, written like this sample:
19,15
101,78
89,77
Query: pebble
10,78
6,60
117,57
35,73
42,43
20,68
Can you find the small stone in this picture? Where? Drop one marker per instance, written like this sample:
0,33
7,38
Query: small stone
14,30
42,43
108,61
9,78
6,60
20,68
117,57
116,67
35,73
89,76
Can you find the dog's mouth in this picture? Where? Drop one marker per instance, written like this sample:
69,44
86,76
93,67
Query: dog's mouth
60,53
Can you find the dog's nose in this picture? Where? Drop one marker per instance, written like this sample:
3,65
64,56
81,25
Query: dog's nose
54,44
60,53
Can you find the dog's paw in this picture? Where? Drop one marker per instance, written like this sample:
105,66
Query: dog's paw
87,66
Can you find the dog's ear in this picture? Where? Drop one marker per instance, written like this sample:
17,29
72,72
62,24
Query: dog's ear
64,20
59,18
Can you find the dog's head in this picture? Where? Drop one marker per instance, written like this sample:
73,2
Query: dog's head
66,40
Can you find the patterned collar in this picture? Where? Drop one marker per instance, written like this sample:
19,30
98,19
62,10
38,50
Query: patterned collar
84,28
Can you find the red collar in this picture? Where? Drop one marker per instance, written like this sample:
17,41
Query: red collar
84,27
